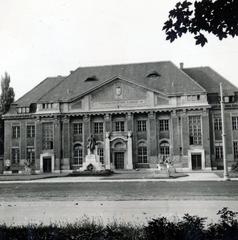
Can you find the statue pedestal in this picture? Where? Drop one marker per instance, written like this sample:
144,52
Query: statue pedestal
92,163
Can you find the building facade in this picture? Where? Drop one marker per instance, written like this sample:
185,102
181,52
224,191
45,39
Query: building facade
139,114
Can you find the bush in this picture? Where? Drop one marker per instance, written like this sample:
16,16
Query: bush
106,172
188,228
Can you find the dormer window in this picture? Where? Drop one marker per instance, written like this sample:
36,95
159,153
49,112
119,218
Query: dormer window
47,105
23,110
153,74
91,79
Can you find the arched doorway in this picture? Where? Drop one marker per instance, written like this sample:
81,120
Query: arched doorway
118,152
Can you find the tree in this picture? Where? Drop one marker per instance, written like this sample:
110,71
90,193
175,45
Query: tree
217,17
6,99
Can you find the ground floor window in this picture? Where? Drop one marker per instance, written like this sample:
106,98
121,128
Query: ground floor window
78,155
15,155
218,152
142,154
30,152
235,148
101,155
164,150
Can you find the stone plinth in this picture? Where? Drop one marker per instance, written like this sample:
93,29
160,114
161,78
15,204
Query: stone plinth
92,162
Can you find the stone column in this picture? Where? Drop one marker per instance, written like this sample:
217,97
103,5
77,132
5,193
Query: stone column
87,132
57,144
38,144
65,134
152,139
107,151
129,150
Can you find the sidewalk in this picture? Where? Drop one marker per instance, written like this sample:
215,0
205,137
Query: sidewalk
126,176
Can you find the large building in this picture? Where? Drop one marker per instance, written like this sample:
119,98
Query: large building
139,115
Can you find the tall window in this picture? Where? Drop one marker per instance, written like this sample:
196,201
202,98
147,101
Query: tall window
15,131
235,123
98,127
30,153
141,125
217,123
47,130
15,155
164,149
142,153
78,154
164,124
119,126
101,154
78,128
195,134
30,131
218,152
235,148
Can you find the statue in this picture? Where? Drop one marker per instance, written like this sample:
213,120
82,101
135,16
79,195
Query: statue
91,144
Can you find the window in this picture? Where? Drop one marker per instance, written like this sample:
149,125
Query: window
195,134
30,131
101,154
78,128
164,149
235,123
15,131
30,152
141,126
15,155
98,127
47,130
47,105
235,148
142,154
217,123
119,126
164,124
78,155
218,152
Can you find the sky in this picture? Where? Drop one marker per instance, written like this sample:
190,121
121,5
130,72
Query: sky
39,39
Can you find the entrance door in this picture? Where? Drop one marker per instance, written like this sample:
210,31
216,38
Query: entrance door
119,160
196,161
47,165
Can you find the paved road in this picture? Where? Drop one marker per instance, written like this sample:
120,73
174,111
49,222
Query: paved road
114,191
128,201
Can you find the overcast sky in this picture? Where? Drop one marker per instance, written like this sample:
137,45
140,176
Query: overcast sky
41,38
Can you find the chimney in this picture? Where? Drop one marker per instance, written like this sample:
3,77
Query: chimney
71,71
181,65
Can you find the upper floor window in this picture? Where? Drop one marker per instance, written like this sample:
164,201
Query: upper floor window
98,127
141,125
119,126
30,131
78,128
15,155
217,123
195,132
235,123
193,98
47,132
164,124
15,131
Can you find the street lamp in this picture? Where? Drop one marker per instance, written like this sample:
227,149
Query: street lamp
225,175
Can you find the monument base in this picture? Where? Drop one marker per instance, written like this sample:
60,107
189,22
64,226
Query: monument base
92,163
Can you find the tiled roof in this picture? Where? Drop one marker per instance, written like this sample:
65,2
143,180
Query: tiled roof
171,80
210,80
37,92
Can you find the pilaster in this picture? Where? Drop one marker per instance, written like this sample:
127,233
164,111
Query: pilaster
65,164
152,139
129,150
87,132
107,151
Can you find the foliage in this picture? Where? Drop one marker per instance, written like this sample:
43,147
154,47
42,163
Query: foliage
188,228
106,172
218,17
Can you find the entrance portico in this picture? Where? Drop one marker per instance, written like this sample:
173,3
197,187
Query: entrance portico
118,151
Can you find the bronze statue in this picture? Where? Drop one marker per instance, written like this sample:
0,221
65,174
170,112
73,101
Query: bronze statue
91,143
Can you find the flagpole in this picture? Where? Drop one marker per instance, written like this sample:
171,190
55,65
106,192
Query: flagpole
225,175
